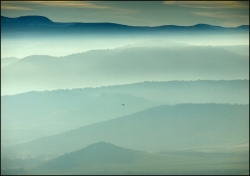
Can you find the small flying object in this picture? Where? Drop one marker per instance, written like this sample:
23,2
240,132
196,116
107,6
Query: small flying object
122,104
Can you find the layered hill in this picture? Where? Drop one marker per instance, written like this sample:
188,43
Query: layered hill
106,158
29,35
36,114
99,154
26,116
184,126
122,66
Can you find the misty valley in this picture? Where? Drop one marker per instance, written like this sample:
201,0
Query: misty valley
112,99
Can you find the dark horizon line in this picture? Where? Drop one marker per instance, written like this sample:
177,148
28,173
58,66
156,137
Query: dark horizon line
39,16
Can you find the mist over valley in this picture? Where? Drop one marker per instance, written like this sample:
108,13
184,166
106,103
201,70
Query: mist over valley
112,99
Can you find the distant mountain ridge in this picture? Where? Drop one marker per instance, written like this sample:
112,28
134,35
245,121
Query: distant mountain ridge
123,66
44,20
27,19
45,25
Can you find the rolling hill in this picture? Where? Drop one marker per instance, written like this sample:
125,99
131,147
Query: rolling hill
106,158
26,116
8,60
122,66
184,126
36,114
175,92
107,98
98,154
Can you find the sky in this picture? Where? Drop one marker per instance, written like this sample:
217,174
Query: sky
135,13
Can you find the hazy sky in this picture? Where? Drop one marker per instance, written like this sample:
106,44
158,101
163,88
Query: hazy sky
135,13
